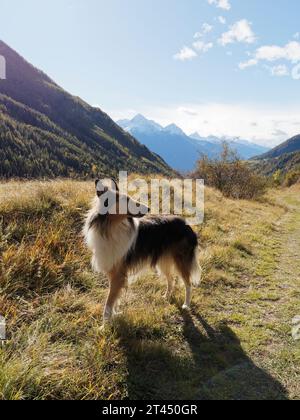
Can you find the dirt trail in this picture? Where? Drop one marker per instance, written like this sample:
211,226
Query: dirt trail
286,278
288,268
287,273
271,369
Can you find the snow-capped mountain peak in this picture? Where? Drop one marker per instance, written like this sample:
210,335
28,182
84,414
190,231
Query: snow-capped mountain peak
180,150
174,129
140,123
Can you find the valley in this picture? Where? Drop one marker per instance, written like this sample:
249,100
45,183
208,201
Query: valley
178,149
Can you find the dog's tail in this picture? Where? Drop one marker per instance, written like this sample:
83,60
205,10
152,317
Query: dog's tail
196,271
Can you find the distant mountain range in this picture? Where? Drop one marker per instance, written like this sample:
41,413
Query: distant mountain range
285,157
46,132
178,149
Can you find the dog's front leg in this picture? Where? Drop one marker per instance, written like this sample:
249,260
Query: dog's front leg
117,281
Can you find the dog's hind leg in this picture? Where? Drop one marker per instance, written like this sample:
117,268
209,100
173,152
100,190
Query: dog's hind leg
184,270
117,281
188,292
165,269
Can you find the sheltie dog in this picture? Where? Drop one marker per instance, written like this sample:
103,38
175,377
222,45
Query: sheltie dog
123,244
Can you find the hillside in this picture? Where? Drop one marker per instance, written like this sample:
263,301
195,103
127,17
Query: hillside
290,146
46,132
236,342
285,163
178,149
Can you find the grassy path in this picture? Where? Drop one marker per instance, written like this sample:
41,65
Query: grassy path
285,352
273,366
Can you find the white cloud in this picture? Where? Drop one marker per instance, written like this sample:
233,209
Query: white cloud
185,54
279,133
241,31
297,35
249,63
222,20
280,70
198,35
272,53
290,52
221,4
206,28
296,72
202,46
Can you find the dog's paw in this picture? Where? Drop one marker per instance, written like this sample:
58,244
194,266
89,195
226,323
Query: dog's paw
119,313
102,328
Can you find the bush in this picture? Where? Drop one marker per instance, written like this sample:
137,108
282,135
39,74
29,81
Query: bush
292,178
277,178
229,174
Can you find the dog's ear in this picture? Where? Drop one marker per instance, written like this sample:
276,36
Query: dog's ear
110,183
107,184
100,187
115,185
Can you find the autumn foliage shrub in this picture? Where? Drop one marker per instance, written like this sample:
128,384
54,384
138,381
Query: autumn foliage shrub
292,178
232,176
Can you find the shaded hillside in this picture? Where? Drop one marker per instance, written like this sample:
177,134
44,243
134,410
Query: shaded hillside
285,163
45,131
290,146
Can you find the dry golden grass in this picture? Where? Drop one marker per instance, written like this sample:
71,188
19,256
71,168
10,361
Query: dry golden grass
234,344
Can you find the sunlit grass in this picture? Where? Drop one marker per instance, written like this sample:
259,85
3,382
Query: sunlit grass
53,306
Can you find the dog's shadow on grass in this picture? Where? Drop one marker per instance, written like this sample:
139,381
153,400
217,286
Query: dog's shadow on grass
209,363
232,375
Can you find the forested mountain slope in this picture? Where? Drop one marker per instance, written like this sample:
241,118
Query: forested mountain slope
46,132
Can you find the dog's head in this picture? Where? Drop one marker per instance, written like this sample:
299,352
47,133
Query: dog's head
115,204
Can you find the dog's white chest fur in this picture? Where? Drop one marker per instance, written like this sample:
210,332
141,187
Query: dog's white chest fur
109,250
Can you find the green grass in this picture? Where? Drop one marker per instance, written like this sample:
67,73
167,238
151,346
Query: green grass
234,344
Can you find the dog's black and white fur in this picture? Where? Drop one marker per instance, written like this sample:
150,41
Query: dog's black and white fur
123,245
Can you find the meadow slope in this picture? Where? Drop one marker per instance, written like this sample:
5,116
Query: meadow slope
236,342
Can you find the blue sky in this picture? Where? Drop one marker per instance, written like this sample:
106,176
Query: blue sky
222,67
